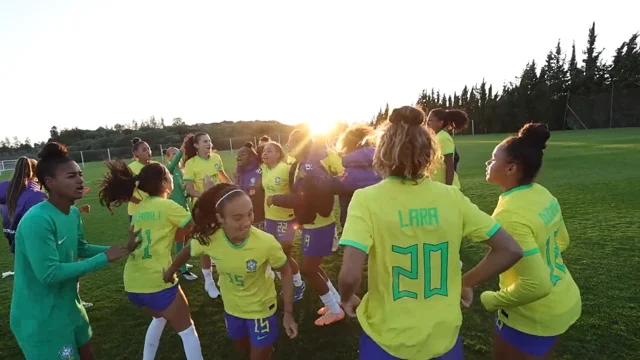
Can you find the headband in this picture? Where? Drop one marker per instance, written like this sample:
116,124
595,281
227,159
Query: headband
225,195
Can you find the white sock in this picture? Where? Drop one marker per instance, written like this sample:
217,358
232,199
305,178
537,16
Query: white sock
330,301
297,279
278,274
152,339
333,291
208,275
191,343
78,286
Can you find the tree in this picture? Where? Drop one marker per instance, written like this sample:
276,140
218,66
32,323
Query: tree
177,122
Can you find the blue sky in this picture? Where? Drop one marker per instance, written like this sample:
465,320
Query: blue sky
92,63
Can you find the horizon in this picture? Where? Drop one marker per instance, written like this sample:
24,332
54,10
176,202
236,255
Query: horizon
67,65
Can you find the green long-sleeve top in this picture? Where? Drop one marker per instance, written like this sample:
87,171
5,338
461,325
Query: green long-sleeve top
48,245
179,194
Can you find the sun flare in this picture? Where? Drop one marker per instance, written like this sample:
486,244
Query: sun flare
320,127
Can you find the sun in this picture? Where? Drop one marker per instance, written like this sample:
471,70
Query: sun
321,127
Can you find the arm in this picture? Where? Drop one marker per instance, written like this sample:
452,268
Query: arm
224,177
182,234
351,271
134,199
175,161
287,287
177,263
287,200
504,253
191,188
449,168
42,254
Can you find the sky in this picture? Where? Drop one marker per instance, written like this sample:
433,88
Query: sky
96,63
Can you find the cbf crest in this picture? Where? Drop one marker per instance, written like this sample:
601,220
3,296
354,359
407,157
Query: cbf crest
217,166
252,265
66,353
277,180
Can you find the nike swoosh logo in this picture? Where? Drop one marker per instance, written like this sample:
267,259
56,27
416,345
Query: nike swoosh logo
216,258
61,241
262,337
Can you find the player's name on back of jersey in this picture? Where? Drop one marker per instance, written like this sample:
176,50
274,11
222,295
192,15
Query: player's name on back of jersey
147,215
550,212
418,217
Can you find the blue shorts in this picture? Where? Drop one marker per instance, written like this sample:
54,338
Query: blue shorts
318,241
527,343
157,301
261,332
282,230
369,349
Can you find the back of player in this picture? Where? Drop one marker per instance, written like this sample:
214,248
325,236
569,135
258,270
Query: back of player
533,216
538,299
412,307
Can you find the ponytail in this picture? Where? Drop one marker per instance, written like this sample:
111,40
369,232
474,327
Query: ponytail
206,209
118,185
22,173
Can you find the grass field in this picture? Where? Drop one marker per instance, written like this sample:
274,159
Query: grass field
595,176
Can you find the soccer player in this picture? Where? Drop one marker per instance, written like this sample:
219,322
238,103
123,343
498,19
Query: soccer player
280,222
412,307
538,299
46,317
223,216
441,122
173,158
201,167
20,195
143,156
159,222
248,177
312,201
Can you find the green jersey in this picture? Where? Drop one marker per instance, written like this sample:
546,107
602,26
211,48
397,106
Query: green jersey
179,194
45,298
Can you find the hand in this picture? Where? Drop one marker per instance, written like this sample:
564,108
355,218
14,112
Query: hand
84,209
184,142
116,252
466,297
269,200
208,182
168,276
86,190
134,240
290,325
351,305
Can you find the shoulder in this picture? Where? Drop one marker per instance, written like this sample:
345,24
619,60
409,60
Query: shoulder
40,214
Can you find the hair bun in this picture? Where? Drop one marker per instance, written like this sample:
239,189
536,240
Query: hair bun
248,145
53,150
535,135
407,114
135,140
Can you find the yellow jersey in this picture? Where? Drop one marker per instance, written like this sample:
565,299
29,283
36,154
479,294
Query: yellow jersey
412,307
158,220
537,295
333,163
135,167
447,147
276,182
246,287
198,168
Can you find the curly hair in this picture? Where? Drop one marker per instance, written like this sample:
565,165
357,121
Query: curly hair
204,212
357,136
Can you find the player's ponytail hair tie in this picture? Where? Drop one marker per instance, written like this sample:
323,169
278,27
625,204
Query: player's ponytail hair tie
407,115
225,196
136,178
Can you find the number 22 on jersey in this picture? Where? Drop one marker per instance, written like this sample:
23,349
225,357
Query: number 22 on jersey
413,273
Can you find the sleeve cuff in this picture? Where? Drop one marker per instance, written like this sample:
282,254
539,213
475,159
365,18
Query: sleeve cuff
486,298
493,231
448,153
354,244
531,252
100,260
185,222
281,265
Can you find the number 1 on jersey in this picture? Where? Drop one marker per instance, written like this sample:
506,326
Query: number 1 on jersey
147,234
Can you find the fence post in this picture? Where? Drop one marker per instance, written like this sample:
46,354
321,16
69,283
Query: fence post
109,153
255,141
1,166
161,150
611,105
230,145
82,158
279,142
473,128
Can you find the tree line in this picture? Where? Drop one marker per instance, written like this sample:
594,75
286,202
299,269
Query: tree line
564,94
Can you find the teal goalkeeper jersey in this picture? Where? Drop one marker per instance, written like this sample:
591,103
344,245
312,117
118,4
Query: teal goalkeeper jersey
179,194
45,298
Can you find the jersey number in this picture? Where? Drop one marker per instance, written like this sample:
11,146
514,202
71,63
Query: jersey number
147,234
237,280
282,227
412,273
554,258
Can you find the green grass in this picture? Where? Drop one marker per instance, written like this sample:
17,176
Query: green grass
595,176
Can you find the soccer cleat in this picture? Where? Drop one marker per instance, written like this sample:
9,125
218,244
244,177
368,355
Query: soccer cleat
188,275
211,289
87,305
298,292
329,318
189,266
